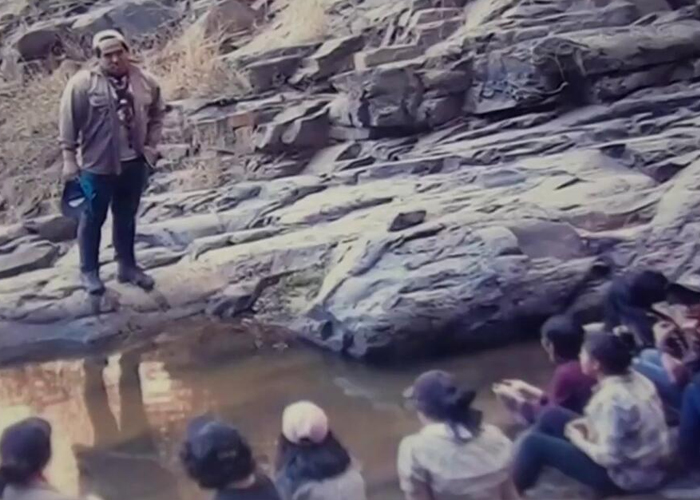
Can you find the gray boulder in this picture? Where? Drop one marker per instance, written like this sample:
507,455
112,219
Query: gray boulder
585,54
27,258
225,17
388,96
40,41
54,228
135,18
512,79
333,57
444,286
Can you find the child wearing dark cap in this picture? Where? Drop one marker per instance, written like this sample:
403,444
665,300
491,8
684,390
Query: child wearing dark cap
454,455
217,457
26,451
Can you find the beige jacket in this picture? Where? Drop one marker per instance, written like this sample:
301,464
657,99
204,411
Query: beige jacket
433,465
88,122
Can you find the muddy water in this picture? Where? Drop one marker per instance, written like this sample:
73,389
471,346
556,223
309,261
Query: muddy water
118,420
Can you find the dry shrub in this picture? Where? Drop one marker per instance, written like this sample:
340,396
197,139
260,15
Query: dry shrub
29,143
301,21
189,66
200,175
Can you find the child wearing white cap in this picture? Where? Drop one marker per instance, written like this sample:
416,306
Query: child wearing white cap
311,463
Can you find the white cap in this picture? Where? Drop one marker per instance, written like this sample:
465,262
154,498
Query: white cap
105,35
304,421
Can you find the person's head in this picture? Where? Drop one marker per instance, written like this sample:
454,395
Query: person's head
562,338
605,354
308,450
215,455
648,288
438,398
112,52
25,448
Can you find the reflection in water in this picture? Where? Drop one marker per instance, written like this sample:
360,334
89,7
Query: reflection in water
123,461
118,421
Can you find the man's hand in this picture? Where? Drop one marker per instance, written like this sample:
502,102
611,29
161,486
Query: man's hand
70,170
576,430
152,155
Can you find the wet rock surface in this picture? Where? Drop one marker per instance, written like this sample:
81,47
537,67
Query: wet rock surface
443,177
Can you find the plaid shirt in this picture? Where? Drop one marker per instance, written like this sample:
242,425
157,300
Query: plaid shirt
628,434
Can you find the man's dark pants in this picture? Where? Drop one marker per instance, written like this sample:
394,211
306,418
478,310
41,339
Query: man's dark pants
121,192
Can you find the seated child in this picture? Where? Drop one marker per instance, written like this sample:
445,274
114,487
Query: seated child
622,443
570,388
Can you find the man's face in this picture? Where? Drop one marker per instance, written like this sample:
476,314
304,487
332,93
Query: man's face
114,59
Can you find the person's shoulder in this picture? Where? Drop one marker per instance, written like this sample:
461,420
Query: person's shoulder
494,435
266,487
81,78
492,431
50,494
409,442
145,75
643,383
354,483
571,371
408,448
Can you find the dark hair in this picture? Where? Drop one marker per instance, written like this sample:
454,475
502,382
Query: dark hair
565,334
26,450
217,468
298,464
647,288
612,352
629,301
454,409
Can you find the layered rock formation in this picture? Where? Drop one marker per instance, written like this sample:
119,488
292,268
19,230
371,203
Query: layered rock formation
439,176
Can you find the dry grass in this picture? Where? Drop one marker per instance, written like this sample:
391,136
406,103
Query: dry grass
189,66
29,143
301,21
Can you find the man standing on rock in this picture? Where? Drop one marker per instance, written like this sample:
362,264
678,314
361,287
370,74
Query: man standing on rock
110,124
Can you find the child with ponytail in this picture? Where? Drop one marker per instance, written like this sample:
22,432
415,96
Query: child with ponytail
454,456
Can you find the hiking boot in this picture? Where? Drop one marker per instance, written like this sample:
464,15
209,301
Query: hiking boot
92,283
135,276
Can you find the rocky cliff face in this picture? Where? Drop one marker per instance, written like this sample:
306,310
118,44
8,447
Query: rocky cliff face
431,175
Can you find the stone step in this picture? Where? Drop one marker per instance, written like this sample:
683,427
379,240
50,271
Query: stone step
174,135
384,55
333,57
434,15
429,34
432,4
